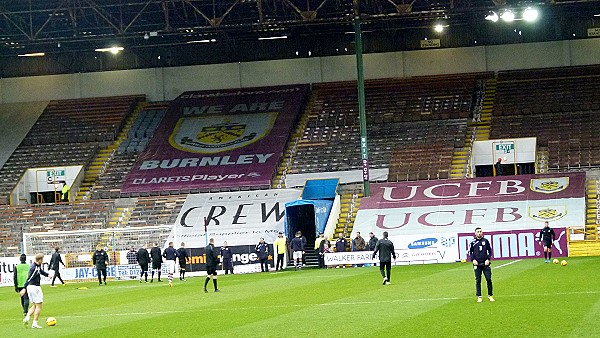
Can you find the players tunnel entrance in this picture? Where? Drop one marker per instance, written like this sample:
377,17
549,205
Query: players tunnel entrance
300,216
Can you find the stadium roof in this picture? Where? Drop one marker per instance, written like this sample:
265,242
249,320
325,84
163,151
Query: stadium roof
61,25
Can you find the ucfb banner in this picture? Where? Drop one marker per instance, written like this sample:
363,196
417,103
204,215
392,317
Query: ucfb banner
458,206
223,138
240,218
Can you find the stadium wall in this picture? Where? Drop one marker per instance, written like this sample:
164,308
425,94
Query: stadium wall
166,83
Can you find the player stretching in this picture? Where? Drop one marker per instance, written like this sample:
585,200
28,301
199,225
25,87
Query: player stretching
480,253
156,262
170,254
212,260
33,289
183,256
547,237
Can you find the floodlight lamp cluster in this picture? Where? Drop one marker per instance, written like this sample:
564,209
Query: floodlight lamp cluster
529,14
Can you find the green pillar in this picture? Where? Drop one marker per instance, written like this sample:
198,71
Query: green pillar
364,150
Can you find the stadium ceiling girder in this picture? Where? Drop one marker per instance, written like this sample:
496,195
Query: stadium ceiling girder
36,23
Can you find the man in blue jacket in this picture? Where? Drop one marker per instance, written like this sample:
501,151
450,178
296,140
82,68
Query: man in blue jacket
480,252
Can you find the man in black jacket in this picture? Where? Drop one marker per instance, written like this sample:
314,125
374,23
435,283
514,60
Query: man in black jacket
480,252
262,250
386,252
226,258
143,258
183,256
156,256
212,260
55,262
100,260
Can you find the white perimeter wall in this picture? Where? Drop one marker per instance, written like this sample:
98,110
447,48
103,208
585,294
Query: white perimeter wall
166,83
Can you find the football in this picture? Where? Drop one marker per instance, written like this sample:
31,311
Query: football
555,261
463,260
563,263
51,321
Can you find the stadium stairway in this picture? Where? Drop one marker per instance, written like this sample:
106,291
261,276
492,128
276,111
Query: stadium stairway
292,146
591,228
588,247
477,130
542,160
349,206
97,166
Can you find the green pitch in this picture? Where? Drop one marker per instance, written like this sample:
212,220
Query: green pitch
532,299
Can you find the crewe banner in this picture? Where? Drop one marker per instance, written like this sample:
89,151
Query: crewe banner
240,218
458,206
516,244
224,138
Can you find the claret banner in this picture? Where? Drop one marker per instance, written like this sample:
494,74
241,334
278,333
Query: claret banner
224,138
459,206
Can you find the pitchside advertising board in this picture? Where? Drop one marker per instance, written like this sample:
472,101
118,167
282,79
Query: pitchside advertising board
225,138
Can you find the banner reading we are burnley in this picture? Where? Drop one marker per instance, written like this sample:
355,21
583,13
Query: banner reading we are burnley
222,138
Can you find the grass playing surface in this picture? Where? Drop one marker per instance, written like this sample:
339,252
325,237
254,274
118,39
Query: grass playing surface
532,299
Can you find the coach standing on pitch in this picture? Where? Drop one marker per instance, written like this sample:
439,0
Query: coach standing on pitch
480,252
156,261
212,260
55,262
143,258
100,260
546,239
386,252
183,256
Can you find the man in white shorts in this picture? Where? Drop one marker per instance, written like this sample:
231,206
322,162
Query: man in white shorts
297,245
34,291
170,254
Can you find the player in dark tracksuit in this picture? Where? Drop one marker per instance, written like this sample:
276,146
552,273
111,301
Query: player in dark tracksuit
212,260
183,257
227,258
480,253
386,252
143,258
546,239
156,256
100,260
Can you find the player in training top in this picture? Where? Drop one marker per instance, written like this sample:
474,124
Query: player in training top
33,289
170,255
480,253
297,246
19,278
100,260
143,258
547,237
212,260
156,261
386,252
182,256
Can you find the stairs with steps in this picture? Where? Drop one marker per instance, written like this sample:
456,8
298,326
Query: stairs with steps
542,160
349,207
477,130
98,165
288,157
591,227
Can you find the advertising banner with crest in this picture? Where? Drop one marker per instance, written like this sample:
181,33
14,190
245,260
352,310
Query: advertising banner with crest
493,203
220,138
